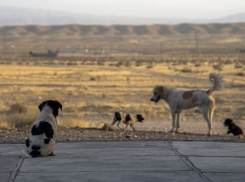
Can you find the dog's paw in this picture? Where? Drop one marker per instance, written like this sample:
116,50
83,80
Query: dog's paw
25,154
176,130
52,154
208,133
171,131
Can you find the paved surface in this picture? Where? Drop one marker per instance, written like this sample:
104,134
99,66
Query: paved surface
128,161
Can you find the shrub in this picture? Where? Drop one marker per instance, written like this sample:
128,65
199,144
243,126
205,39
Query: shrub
240,73
16,120
218,67
18,108
186,70
19,116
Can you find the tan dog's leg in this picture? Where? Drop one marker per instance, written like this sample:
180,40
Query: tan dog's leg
177,122
205,115
126,127
173,121
211,112
118,125
133,128
114,121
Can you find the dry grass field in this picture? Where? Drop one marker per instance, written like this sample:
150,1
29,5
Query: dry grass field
92,88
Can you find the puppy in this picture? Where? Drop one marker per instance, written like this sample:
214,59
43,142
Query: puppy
128,119
43,133
232,127
179,100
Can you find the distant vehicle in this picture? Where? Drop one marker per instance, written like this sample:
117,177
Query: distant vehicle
48,54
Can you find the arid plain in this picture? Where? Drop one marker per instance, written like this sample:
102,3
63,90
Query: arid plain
92,87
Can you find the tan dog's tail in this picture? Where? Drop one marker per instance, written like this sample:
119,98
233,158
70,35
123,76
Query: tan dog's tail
217,81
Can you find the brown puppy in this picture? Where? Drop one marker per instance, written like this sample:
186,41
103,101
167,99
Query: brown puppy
232,127
128,119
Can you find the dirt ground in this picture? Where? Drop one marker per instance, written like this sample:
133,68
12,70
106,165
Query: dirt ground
91,91
77,134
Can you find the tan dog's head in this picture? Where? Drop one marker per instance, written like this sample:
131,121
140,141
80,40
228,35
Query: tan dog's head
158,93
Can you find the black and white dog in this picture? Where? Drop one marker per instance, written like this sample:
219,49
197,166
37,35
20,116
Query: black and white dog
128,119
43,133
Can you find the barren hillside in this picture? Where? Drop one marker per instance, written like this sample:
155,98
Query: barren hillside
120,30
143,38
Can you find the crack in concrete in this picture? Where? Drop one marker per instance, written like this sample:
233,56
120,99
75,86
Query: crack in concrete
118,171
16,170
188,162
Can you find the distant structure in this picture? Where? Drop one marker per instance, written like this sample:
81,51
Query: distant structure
48,54
94,52
241,50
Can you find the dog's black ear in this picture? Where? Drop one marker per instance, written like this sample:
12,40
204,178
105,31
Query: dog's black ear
228,120
139,117
128,117
41,105
55,105
118,116
27,142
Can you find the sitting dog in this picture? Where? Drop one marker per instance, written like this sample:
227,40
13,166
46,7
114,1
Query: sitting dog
179,100
232,127
43,133
128,119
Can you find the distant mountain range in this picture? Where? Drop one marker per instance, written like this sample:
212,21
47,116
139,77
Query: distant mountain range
24,16
78,32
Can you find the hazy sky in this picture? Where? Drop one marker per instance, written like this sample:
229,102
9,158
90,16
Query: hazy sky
201,9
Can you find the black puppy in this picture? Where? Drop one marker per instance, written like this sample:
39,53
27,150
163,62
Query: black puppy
232,127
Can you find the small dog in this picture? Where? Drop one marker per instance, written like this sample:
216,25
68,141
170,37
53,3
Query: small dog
179,100
128,119
232,127
43,133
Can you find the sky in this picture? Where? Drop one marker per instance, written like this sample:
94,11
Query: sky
194,9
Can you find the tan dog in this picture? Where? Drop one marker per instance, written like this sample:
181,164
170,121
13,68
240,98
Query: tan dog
179,100
127,119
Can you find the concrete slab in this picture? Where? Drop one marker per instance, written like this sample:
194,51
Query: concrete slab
9,157
219,164
128,161
226,177
108,161
115,149
210,148
115,144
4,176
11,149
8,163
97,163
116,176
108,156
